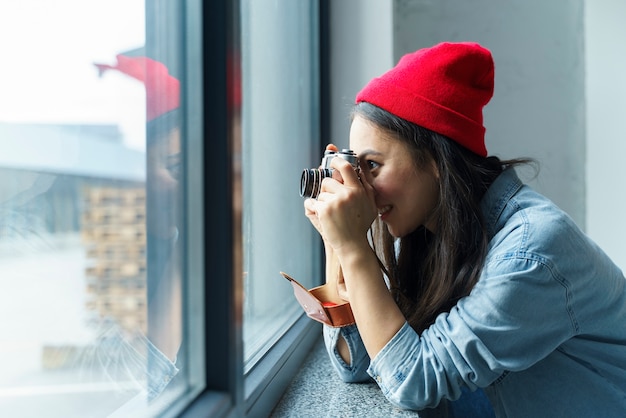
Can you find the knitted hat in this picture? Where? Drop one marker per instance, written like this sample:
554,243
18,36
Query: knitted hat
443,88
162,89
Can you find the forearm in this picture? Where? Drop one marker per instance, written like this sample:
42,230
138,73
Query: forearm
333,275
333,269
376,314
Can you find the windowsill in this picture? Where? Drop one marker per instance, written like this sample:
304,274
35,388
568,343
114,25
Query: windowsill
317,391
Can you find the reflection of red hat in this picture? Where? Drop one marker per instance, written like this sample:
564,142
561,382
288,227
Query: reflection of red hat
443,88
233,68
162,89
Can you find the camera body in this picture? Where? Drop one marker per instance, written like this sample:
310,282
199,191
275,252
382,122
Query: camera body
311,179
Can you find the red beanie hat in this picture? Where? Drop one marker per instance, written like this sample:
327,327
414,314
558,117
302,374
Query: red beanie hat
443,88
162,89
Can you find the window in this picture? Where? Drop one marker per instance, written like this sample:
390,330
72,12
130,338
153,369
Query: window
280,137
150,154
93,260
273,136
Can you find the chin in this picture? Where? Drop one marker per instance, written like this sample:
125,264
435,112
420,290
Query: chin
400,232
395,233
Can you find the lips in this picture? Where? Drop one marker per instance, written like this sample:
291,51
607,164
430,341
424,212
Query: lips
383,211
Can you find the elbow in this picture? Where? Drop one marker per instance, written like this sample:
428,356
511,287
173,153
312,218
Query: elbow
350,373
411,403
409,396
403,403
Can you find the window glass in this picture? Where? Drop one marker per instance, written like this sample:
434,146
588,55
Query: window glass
280,119
91,231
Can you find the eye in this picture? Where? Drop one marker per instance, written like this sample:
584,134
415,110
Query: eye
371,164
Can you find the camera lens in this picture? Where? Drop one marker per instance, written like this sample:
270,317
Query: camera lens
311,181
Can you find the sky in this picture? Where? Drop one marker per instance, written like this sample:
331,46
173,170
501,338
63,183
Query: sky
47,74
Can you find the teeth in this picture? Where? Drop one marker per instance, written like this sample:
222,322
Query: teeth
383,210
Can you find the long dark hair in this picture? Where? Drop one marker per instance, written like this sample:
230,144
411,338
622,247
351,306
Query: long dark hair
429,272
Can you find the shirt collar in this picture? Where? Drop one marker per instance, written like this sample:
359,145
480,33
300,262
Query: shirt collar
497,197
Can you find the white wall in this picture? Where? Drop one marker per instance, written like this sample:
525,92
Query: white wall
361,48
605,60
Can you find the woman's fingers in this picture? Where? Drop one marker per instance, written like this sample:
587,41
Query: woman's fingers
348,174
310,211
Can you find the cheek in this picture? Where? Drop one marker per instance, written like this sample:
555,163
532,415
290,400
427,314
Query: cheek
417,194
388,188
431,192
425,198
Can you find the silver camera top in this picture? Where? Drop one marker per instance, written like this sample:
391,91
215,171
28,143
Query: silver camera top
346,154
311,179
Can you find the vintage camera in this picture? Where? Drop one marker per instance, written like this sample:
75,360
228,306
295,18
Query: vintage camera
311,180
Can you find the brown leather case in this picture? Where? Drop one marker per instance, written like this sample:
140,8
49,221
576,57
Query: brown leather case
318,305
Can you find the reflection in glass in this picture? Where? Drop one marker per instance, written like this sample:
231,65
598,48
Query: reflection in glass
90,227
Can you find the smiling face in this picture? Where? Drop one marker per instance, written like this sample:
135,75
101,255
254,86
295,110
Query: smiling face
406,196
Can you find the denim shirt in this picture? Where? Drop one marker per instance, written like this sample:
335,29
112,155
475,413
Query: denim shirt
543,331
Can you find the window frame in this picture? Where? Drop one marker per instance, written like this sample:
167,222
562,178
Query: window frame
212,29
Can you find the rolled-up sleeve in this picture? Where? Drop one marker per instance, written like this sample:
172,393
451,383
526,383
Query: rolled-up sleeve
356,371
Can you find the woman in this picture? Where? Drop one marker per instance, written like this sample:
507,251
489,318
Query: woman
164,308
489,284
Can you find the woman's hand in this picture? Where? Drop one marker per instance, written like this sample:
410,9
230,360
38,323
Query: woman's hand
309,204
345,207
309,211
